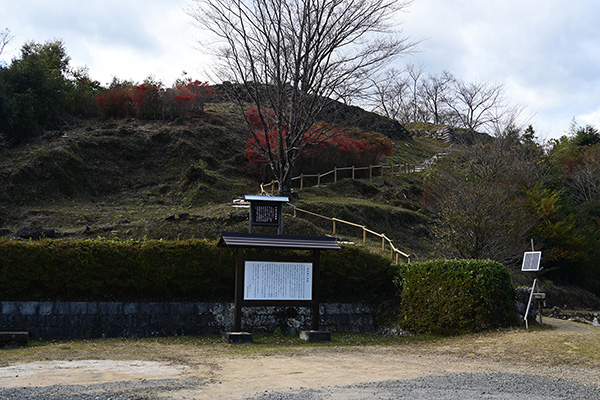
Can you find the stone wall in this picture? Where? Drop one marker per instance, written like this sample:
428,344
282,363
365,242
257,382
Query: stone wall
78,320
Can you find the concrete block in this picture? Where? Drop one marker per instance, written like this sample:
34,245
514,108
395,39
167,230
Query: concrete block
202,308
92,308
131,308
238,337
9,308
110,308
315,336
46,308
29,308
61,308
78,308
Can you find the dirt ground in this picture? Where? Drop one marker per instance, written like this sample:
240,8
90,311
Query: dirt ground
241,375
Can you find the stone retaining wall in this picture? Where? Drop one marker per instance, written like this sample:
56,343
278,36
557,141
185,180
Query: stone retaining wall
78,320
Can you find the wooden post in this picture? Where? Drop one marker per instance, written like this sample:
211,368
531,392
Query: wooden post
353,172
370,172
239,291
333,226
272,187
383,244
301,181
392,169
318,179
382,170
364,235
334,174
316,316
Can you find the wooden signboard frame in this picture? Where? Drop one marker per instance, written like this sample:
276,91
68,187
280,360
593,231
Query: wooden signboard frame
312,245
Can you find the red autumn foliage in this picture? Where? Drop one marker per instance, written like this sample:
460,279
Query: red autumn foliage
116,102
336,147
151,101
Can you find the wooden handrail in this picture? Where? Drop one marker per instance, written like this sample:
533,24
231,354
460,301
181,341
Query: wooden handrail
394,251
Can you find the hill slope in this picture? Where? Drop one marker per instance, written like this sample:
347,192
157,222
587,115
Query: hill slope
132,179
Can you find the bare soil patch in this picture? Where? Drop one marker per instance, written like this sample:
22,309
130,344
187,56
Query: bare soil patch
567,350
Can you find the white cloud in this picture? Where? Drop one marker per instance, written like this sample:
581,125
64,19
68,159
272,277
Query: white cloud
592,118
546,52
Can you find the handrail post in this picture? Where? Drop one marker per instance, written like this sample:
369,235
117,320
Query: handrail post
353,172
318,179
334,174
382,170
272,186
301,181
364,235
392,169
383,244
333,225
370,172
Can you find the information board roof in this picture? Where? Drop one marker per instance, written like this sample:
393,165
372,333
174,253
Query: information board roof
280,199
254,240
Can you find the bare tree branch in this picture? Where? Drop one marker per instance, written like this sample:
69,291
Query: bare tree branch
293,57
5,38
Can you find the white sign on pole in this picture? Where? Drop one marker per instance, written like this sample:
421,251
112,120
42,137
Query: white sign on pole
268,280
531,261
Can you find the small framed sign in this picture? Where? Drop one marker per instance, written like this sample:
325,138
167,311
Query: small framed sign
531,261
266,211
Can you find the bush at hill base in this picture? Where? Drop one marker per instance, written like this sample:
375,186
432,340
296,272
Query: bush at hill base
156,270
456,296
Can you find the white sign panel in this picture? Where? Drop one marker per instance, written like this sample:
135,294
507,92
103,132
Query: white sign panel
531,261
269,280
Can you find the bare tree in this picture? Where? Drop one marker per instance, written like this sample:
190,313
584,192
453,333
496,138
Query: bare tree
480,198
292,57
414,78
584,179
391,95
477,104
5,38
436,93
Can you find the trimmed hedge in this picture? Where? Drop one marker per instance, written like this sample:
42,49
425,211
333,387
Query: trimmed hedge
456,296
153,270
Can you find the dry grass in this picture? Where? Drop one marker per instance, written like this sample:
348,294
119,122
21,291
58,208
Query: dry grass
561,343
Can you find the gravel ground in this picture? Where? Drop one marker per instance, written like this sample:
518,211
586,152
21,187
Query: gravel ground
494,386
130,390
451,387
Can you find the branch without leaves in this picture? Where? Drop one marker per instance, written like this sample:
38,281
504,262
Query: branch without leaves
291,58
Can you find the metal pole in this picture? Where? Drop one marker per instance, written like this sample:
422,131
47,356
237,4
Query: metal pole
529,303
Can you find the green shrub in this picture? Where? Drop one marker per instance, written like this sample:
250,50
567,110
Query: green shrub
355,274
456,296
155,270
111,270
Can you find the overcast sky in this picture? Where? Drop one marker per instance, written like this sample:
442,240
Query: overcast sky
545,52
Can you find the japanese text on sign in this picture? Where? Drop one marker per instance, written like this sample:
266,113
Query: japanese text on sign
266,280
266,214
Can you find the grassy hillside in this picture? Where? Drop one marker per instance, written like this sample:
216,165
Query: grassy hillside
132,179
